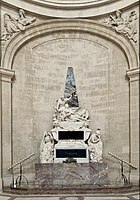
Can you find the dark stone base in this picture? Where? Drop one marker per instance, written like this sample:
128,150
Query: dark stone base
71,175
88,189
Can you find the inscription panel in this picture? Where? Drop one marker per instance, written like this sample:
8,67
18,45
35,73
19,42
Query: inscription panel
71,135
71,153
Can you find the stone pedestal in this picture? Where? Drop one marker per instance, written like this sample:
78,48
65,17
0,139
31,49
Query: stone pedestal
71,174
71,142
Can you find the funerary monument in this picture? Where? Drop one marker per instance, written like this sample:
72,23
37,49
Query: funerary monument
70,153
69,93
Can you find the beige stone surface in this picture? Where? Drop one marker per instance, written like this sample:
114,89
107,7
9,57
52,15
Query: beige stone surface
4,198
100,57
41,68
71,9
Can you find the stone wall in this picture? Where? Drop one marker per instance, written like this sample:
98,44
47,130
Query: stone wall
39,57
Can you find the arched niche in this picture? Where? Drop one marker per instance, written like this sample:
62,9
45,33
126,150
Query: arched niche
93,28
48,27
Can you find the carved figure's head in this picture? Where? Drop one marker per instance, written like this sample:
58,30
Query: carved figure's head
21,13
47,137
66,105
7,16
133,15
118,13
98,131
62,98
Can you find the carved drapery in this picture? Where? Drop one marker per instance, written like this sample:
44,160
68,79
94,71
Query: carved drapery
125,26
14,25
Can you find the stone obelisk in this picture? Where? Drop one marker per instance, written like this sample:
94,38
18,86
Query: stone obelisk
70,88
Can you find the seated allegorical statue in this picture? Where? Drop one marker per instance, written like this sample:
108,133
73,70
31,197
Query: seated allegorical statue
23,21
95,147
47,148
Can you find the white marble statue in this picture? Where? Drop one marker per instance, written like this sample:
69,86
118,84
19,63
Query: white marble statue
95,147
47,148
63,112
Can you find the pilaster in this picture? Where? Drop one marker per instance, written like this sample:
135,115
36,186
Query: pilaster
6,77
133,75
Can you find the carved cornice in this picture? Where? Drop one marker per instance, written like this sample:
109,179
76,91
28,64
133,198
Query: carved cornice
6,75
73,4
133,74
70,8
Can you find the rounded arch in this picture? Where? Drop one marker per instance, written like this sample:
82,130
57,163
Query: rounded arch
70,9
48,27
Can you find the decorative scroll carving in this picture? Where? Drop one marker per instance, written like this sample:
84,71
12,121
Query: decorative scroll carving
95,147
13,25
125,26
47,148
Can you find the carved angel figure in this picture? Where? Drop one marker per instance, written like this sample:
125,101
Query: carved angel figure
23,21
125,26
13,25
47,148
95,147
130,29
10,25
117,22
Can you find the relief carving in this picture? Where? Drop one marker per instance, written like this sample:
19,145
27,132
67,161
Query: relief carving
126,26
13,25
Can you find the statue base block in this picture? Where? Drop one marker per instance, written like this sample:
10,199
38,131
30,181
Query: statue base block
71,174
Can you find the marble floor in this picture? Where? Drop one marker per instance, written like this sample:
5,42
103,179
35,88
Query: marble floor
110,196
